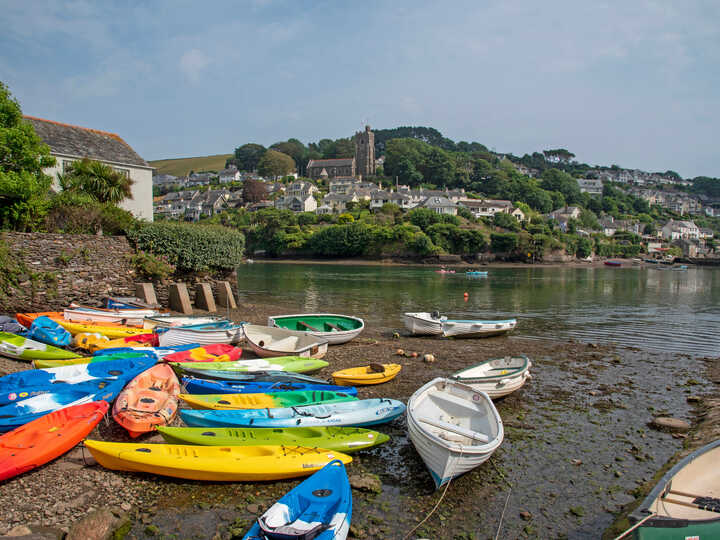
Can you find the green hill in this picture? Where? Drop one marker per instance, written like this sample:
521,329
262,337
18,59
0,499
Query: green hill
182,166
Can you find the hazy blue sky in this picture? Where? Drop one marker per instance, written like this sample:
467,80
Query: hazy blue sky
629,82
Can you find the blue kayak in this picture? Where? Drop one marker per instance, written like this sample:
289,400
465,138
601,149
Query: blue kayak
45,330
23,384
246,376
17,414
155,352
364,412
205,386
319,508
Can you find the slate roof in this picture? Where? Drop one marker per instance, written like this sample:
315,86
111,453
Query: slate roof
85,142
340,162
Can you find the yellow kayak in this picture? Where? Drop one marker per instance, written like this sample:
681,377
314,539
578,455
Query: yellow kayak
372,374
111,332
44,364
214,463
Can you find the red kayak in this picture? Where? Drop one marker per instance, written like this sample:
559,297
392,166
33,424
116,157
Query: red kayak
217,352
48,437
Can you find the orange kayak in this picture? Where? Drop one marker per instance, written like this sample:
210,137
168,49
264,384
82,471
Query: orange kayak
149,400
216,352
48,437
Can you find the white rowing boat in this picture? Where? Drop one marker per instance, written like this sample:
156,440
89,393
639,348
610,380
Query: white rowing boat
453,428
268,342
496,377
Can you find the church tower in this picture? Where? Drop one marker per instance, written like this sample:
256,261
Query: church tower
365,152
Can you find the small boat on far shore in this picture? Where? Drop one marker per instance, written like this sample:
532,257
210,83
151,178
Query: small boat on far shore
613,263
476,273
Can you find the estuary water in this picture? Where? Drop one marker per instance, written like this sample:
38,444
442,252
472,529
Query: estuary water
641,306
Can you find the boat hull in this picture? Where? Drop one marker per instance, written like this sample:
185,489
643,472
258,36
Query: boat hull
269,342
496,377
422,324
333,328
476,329
439,414
366,375
213,463
339,439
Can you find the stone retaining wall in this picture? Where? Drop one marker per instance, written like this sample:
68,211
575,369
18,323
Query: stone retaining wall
62,268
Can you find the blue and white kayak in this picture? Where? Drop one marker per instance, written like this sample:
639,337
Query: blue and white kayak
45,330
364,412
247,376
23,384
17,414
205,386
319,507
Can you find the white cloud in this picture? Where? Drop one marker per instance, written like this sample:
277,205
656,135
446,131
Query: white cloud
192,64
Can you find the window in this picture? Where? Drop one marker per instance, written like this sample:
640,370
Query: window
124,172
66,164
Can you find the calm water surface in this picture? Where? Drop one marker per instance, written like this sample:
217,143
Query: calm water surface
657,310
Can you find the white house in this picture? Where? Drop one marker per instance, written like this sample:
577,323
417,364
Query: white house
486,207
301,189
297,203
379,197
593,186
675,230
229,175
71,143
440,205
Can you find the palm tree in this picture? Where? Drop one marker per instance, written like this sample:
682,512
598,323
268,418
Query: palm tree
98,180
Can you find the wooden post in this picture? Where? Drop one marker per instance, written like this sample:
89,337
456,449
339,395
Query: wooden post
204,297
146,293
225,295
179,298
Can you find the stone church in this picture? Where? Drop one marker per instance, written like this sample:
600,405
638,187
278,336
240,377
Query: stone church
362,164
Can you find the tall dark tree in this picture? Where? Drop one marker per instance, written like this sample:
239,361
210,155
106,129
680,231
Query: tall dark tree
254,191
248,156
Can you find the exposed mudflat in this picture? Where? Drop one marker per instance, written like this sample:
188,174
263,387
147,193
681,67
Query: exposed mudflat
577,449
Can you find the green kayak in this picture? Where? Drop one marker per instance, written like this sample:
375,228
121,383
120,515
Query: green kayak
297,364
340,439
21,348
264,401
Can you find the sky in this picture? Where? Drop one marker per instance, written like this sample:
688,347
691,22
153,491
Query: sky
633,83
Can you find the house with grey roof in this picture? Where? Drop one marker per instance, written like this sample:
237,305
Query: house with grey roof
486,207
440,205
339,202
593,186
297,203
379,198
162,180
70,143
228,175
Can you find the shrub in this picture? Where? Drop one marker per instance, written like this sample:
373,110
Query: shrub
341,240
150,266
191,247
503,242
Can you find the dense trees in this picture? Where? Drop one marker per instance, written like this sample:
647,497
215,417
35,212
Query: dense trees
247,156
275,164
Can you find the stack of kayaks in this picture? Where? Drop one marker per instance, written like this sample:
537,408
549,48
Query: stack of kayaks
111,330
95,342
204,334
47,437
168,321
320,507
46,364
21,348
129,317
263,401
365,412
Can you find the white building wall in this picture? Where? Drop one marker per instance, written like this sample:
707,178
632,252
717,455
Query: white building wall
141,204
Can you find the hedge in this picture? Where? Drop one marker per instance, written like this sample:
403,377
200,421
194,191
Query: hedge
191,247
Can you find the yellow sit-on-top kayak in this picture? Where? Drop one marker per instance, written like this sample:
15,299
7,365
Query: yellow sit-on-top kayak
112,332
372,374
214,463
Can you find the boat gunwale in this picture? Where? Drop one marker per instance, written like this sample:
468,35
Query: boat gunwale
515,371
643,510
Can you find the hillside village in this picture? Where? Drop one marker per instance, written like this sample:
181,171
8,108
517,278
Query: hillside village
336,186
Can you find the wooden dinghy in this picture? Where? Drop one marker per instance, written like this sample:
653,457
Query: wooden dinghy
340,439
149,400
334,329
204,334
268,342
264,400
213,463
47,438
496,377
20,348
372,374
685,503
476,329
319,507
453,428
